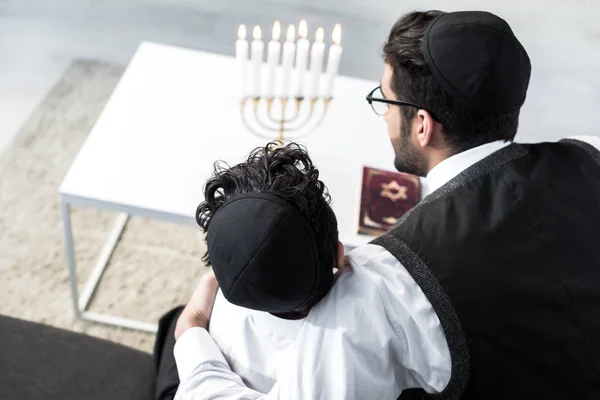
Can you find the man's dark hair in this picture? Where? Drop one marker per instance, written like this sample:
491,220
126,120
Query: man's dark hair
286,172
412,81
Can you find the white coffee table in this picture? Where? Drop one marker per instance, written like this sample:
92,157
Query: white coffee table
172,115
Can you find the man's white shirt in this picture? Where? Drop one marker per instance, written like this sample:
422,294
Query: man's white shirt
373,335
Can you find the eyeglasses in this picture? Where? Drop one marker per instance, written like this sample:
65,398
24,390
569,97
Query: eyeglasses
381,105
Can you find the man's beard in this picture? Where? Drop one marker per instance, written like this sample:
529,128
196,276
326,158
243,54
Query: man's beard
408,159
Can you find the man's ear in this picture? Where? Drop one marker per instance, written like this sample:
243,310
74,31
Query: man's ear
340,261
426,125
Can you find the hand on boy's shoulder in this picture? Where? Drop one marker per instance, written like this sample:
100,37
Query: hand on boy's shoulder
338,271
198,310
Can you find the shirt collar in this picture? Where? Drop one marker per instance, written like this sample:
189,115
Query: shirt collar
452,166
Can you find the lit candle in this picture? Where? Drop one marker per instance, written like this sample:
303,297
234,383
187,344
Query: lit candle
301,57
316,64
258,49
289,49
333,62
241,55
273,59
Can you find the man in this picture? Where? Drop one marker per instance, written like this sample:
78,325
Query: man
492,282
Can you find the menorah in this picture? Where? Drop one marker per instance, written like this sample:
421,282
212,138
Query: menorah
288,126
289,114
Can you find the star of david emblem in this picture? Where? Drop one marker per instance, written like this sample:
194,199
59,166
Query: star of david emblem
393,191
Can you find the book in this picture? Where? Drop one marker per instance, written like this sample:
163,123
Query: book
385,197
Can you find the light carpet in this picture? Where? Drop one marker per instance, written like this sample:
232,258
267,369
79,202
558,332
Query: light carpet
155,265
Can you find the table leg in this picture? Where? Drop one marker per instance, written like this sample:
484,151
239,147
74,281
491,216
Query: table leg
120,322
105,254
80,303
66,217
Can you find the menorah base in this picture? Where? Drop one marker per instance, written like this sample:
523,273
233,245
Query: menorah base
305,116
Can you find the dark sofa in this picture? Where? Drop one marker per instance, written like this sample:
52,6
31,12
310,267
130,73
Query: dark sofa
41,362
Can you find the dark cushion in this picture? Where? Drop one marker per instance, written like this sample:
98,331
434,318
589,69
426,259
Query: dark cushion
42,362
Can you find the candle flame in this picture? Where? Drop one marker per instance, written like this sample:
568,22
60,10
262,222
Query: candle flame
291,33
256,32
337,34
276,31
303,29
320,35
242,32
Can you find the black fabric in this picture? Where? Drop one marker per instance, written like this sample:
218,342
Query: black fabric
455,336
42,362
167,377
478,60
264,254
588,148
512,242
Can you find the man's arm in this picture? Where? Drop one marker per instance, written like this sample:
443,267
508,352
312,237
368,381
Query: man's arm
422,347
333,364
204,372
343,373
392,312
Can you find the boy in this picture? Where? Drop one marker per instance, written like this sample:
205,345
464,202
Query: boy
283,325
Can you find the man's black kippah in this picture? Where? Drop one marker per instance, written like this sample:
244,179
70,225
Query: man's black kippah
477,59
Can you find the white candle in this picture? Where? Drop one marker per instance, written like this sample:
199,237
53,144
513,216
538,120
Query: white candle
273,54
333,61
301,58
258,49
316,64
289,49
241,55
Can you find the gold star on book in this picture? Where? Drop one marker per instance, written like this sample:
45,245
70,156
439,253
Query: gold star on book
393,191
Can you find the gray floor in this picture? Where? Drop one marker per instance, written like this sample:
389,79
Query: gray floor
38,39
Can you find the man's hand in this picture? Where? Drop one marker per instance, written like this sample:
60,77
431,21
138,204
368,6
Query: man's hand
197,312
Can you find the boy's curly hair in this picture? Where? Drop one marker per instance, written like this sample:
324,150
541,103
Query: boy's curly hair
287,172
